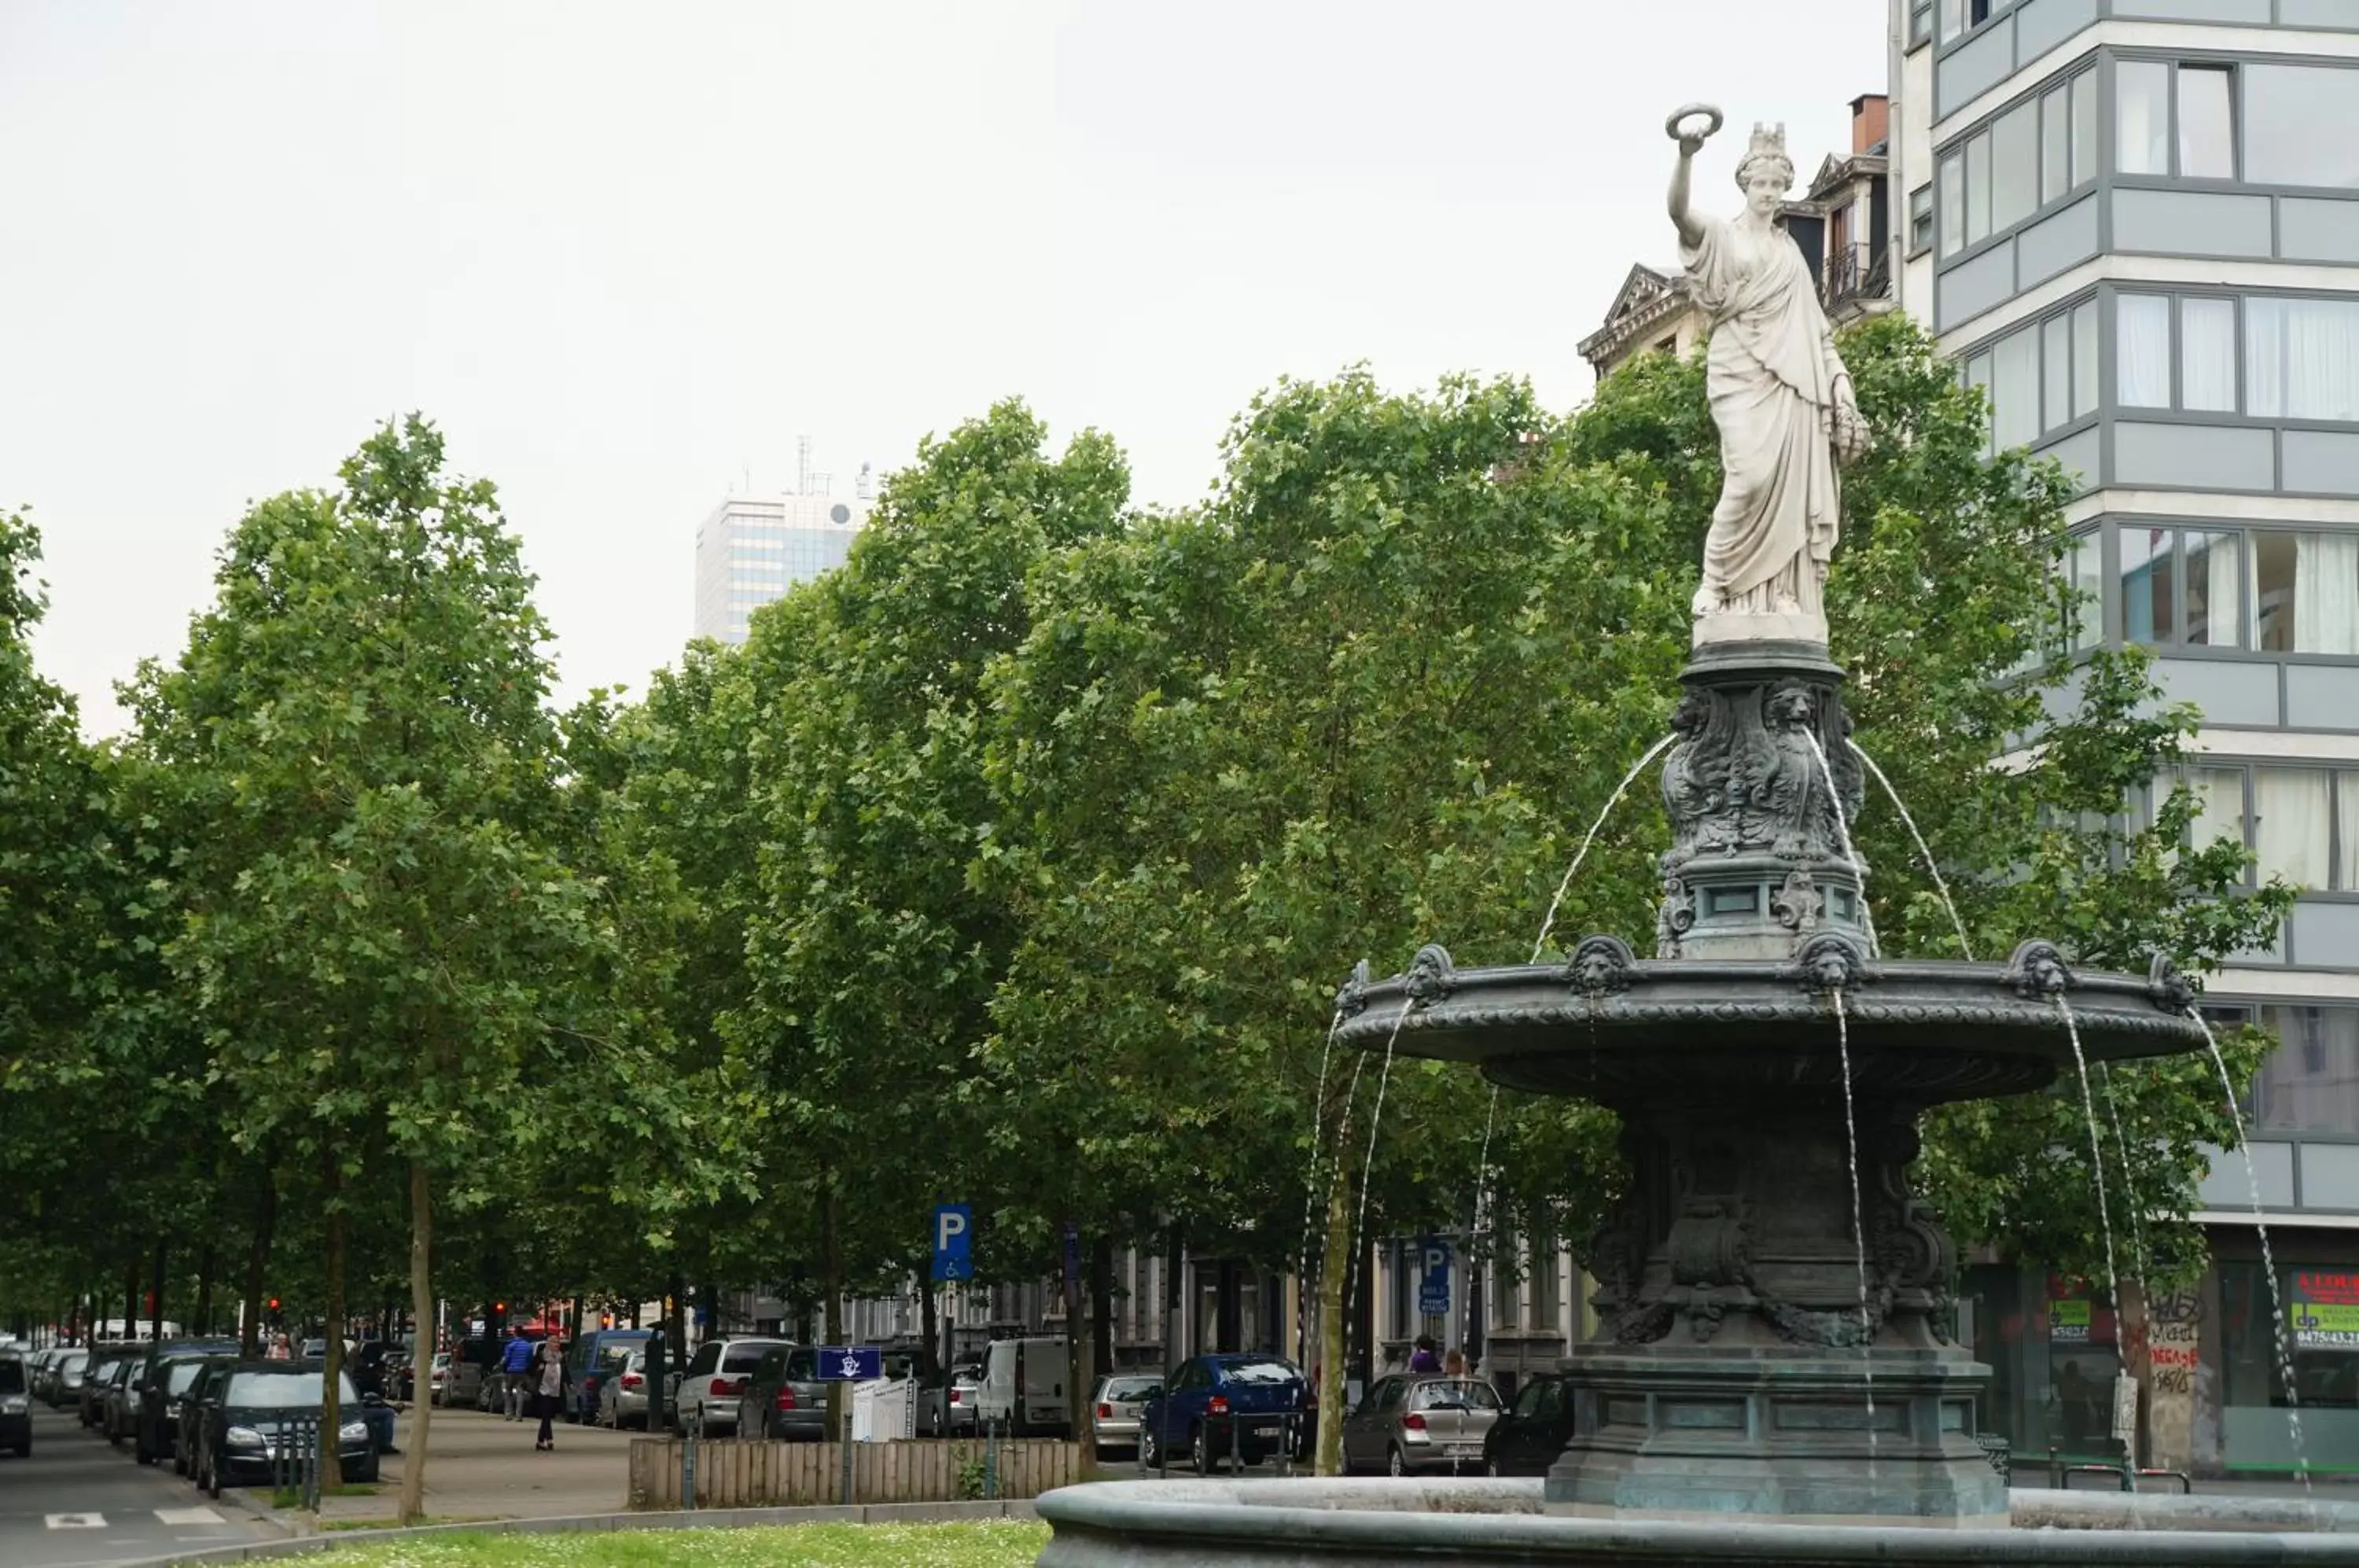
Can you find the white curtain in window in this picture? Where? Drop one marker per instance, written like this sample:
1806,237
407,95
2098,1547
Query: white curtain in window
2219,805
2207,355
2264,357
2321,359
2142,368
2292,824
2015,389
2142,124
2326,593
2211,571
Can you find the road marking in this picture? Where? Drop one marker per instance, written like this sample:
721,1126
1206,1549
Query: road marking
188,1515
76,1521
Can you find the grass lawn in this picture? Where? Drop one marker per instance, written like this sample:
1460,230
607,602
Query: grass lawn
999,1543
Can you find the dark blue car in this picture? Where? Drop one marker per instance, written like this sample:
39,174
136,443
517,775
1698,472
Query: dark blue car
1215,1406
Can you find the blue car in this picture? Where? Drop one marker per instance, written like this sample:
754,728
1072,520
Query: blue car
1215,1406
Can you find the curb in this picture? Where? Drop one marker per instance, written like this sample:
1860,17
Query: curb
702,1518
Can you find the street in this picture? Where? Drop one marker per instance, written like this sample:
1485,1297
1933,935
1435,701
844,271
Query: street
77,1501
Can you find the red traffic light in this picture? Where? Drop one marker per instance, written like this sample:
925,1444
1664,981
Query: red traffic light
273,1304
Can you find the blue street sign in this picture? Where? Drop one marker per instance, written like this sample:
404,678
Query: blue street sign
1433,1277
953,1242
849,1363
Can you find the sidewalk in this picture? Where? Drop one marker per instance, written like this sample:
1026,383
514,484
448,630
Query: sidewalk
482,1467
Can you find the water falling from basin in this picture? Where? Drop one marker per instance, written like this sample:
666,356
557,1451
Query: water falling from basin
1858,1225
1932,867
2268,1260
1547,923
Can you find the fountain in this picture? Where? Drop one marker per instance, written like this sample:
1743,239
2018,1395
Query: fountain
1772,1378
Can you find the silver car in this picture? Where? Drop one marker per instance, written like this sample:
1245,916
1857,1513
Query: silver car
1115,1405
1411,1424
623,1397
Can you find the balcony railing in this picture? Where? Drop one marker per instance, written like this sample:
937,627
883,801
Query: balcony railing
1855,272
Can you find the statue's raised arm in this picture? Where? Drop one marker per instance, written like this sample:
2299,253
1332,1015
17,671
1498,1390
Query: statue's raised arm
1780,400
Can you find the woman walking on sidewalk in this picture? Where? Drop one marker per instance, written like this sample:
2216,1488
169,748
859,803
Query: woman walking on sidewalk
548,1387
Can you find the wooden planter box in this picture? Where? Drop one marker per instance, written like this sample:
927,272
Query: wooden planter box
734,1474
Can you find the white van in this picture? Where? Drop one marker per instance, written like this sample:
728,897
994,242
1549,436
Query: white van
1023,1383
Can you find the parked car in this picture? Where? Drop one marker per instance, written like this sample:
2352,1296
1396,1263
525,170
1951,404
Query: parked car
1115,1405
784,1397
1023,1384
204,1392
66,1378
622,1396
438,1375
118,1407
97,1374
1530,1433
248,1424
1215,1406
963,1381
157,1418
1408,1423
591,1360
472,1364
16,1406
714,1380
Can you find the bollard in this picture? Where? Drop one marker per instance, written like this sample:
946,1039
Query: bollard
1236,1445
845,1443
688,1429
991,1464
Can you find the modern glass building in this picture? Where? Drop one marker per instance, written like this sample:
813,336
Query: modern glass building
752,547
2135,223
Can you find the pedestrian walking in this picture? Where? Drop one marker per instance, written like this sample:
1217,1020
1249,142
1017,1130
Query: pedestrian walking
1454,1364
515,1364
1423,1359
550,1374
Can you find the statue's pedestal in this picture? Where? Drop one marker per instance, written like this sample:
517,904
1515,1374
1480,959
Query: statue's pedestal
1778,1432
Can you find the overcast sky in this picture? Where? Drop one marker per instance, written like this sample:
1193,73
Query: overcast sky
625,254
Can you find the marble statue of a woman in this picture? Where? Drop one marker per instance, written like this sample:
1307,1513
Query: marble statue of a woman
1780,397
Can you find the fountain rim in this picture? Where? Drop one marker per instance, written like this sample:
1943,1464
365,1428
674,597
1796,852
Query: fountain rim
1601,980
1167,1510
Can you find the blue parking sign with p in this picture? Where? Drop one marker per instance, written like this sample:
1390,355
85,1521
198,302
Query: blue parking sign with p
953,1242
1433,1277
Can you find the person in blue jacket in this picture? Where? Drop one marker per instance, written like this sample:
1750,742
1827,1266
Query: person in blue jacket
515,1361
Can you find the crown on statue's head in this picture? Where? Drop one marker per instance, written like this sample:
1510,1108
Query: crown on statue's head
1768,145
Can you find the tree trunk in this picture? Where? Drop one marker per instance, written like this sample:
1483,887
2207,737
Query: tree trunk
831,1270
1334,1268
156,1293
204,1323
930,1335
257,1262
131,1299
1102,1305
331,1414
421,1302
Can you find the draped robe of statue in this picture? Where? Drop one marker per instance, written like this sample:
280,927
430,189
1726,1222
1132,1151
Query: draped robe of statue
1770,373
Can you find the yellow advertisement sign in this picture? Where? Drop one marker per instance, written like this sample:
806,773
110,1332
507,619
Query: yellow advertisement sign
2069,1320
2324,1311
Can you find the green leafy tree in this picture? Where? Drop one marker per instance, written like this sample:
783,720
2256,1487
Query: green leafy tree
384,947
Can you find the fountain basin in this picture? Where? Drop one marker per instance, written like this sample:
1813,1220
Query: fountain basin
1441,1524
1611,1026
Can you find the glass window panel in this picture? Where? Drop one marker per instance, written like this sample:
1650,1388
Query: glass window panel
2302,125
1978,377
2148,591
2292,824
2086,566
2084,128
1921,218
2142,351
2311,1082
2085,359
2015,389
1954,19
1953,204
2055,144
2219,805
2055,372
2302,358
1978,188
2273,558
1920,21
2142,117
2347,811
2014,167
2215,585
2207,144
2326,593
2207,355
